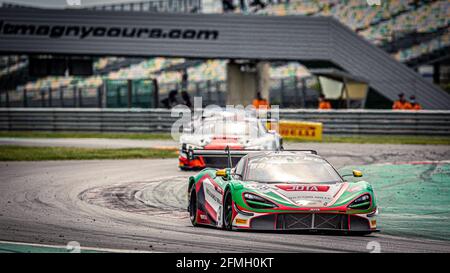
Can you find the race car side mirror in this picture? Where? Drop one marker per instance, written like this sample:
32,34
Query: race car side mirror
355,173
225,173
222,173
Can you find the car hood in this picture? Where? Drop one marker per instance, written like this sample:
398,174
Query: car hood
302,195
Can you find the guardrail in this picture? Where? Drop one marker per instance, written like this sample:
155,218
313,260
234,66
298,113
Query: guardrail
363,122
376,122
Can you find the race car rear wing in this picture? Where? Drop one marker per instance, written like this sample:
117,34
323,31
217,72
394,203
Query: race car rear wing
233,156
219,156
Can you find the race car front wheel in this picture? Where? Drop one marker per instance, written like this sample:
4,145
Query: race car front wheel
228,211
193,206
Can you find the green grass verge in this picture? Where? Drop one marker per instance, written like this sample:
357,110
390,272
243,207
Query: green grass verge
380,139
38,134
19,153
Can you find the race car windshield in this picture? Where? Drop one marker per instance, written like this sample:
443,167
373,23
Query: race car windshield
230,128
291,169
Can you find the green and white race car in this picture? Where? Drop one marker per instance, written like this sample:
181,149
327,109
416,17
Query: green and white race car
280,190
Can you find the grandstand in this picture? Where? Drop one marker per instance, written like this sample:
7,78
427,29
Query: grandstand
413,32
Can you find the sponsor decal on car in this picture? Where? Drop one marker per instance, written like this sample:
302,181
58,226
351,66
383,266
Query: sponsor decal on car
303,188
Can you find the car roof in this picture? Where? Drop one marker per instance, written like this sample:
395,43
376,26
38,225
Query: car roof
307,154
227,112
231,119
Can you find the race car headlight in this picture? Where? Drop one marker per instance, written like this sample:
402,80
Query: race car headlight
362,202
258,202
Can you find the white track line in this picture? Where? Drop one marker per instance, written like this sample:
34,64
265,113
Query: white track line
99,249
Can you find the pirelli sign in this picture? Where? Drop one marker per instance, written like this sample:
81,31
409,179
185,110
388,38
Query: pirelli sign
300,130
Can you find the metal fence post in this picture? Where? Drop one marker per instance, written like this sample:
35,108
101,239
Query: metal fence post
50,104
7,98
197,89
129,93
155,93
105,94
219,94
42,97
296,95
99,96
24,94
208,90
74,96
61,96
80,97
303,92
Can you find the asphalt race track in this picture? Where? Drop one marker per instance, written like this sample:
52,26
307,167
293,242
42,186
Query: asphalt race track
94,203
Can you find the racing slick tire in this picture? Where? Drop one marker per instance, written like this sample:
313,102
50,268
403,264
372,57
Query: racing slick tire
227,211
193,205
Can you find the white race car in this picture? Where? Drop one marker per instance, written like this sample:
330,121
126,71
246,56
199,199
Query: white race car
221,130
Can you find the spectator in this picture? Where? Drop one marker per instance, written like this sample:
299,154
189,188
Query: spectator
227,6
259,102
257,5
186,99
401,103
323,103
171,100
243,5
414,104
